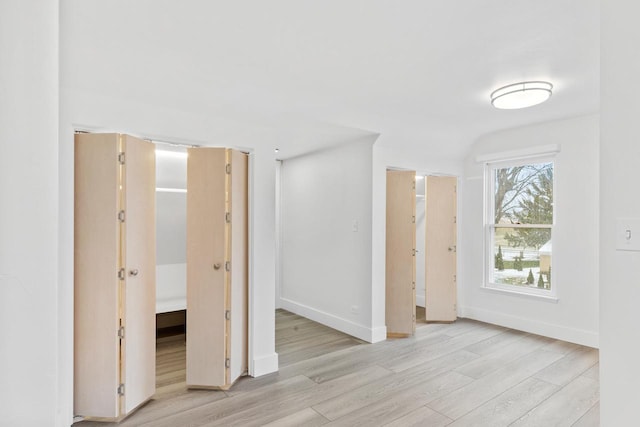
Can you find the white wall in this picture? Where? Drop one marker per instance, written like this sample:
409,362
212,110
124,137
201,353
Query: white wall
385,156
171,250
29,215
326,237
171,287
171,228
171,231
575,241
619,178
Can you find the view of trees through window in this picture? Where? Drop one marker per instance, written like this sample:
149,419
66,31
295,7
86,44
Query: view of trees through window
523,216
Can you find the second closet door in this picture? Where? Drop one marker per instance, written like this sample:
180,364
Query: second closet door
206,258
400,303
139,344
216,267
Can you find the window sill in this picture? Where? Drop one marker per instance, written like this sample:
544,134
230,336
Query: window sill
546,298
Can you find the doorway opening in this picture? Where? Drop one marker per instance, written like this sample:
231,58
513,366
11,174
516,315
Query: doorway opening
171,268
421,246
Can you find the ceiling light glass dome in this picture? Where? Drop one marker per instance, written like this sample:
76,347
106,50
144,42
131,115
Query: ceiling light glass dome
521,95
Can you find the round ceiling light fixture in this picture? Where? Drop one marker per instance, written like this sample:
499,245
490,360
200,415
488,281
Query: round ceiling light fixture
521,95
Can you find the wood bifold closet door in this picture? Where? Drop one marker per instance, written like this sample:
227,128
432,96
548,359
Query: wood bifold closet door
216,267
400,305
115,270
440,249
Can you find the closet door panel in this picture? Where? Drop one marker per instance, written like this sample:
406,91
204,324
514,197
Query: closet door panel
206,290
400,253
96,264
139,346
440,249
239,265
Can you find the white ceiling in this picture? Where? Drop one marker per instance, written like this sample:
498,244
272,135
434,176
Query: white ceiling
417,72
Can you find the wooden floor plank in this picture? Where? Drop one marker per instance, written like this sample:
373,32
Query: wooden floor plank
593,372
508,406
466,373
272,410
591,418
421,417
306,417
466,399
389,387
209,414
403,401
565,407
570,366
504,354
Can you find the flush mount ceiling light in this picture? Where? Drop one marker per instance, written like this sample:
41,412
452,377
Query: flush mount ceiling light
521,95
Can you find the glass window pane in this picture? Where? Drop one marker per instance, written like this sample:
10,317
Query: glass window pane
524,194
520,264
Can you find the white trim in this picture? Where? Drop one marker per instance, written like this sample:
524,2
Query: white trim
524,153
278,233
170,190
490,227
251,303
378,334
574,335
167,305
539,294
335,322
264,365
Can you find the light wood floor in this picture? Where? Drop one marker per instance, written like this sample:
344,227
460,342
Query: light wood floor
462,374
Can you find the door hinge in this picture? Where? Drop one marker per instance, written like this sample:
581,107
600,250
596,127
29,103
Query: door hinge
413,185
455,307
227,217
227,363
227,266
413,219
121,157
121,274
228,168
455,219
413,317
413,252
227,314
121,332
454,278
121,390
121,216
413,285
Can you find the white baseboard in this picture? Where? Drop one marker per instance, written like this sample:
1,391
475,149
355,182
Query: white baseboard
335,322
577,336
264,365
378,334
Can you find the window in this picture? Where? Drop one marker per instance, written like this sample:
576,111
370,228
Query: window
519,226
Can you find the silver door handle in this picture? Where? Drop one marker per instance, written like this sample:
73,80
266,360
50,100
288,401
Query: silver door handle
133,273
452,248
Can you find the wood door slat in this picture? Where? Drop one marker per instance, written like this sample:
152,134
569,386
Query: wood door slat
400,253
206,297
96,263
440,261
140,272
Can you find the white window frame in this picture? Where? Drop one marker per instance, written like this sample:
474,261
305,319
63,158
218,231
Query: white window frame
489,226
